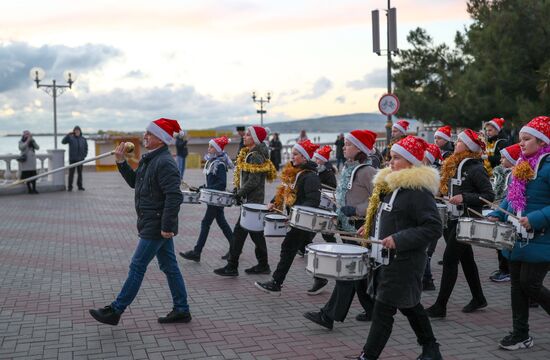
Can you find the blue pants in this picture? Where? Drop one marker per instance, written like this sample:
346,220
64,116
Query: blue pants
146,250
181,165
212,212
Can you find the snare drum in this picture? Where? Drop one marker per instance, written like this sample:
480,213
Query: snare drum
328,200
312,219
190,197
485,233
252,217
337,261
442,209
275,225
216,197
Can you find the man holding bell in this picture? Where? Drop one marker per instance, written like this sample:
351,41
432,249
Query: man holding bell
157,199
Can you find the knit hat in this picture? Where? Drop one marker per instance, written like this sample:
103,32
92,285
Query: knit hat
306,148
511,153
402,125
433,153
363,139
471,139
412,148
539,127
258,134
444,132
497,123
323,153
219,143
164,129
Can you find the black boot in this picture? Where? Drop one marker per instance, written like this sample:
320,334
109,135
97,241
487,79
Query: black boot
320,319
271,287
430,352
437,311
175,317
106,315
227,271
318,286
474,305
191,255
428,285
364,316
258,269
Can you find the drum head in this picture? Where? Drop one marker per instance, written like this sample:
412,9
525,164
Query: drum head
216,192
313,210
441,206
255,207
342,249
275,217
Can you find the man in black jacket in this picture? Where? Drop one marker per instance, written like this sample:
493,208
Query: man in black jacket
78,150
157,199
307,193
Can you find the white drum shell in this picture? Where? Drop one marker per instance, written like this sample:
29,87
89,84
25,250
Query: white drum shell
484,233
252,217
327,201
275,225
443,213
312,219
216,197
190,197
337,261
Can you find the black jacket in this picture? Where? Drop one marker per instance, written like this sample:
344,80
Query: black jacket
252,186
157,193
216,175
327,176
308,186
502,142
275,154
447,149
181,148
475,183
78,147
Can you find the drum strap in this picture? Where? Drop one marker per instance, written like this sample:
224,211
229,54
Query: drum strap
293,185
350,183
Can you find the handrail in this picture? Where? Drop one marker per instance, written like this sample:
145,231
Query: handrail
9,175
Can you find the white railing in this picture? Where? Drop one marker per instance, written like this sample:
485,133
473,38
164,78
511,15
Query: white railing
11,174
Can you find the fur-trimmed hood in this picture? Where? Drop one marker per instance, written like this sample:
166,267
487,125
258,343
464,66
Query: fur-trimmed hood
415,178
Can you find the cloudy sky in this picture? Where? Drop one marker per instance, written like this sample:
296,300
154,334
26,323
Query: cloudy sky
199,61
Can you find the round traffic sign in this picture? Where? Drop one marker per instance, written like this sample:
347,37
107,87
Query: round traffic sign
388,104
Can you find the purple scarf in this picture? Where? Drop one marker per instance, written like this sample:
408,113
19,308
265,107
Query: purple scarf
516,191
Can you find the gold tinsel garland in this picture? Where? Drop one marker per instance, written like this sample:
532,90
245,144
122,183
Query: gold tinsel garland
449,168
285,194
380,189
241,165
523,171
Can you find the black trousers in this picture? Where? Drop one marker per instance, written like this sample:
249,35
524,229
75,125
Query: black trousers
31,185
289,247
527,283
455,253
503,265
382,324
236,247
338,305
71,175
217,213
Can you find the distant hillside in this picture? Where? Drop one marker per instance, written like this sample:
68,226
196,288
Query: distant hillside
329,124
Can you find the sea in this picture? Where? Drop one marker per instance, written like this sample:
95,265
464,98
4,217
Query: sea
9,144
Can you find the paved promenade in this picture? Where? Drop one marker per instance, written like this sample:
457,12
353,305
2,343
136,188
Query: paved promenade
64,253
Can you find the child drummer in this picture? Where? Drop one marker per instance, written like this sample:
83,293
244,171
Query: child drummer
300,185
215,169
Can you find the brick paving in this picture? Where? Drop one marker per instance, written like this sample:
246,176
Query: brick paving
63,253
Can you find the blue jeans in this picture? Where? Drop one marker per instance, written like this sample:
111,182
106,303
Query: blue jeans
146,250
181,165
212,212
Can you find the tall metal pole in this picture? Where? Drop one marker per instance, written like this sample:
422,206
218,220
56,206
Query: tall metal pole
54,115
262,113
389,123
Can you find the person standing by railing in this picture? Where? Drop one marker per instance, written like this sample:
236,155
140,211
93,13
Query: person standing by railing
78,150
27,159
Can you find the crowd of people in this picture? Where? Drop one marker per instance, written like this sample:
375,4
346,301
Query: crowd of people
390,196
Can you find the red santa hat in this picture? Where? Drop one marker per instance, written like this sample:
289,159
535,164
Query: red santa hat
539,127
258,134
472,140
219,143
444,132
433,153
306,148
497,123
164,129
412,148
511,153
363,139
402,125
323,153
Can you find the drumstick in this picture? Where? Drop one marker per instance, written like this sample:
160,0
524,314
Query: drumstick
192,188
279,211
339,232
441,198
328,187
493,206
360,240
475,212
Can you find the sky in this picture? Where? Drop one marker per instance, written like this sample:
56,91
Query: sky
199,61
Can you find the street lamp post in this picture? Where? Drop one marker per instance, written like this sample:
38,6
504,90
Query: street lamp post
54,90
261,101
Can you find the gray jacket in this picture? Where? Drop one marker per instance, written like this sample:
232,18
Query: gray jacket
78,147
30,163
252,186
361,190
